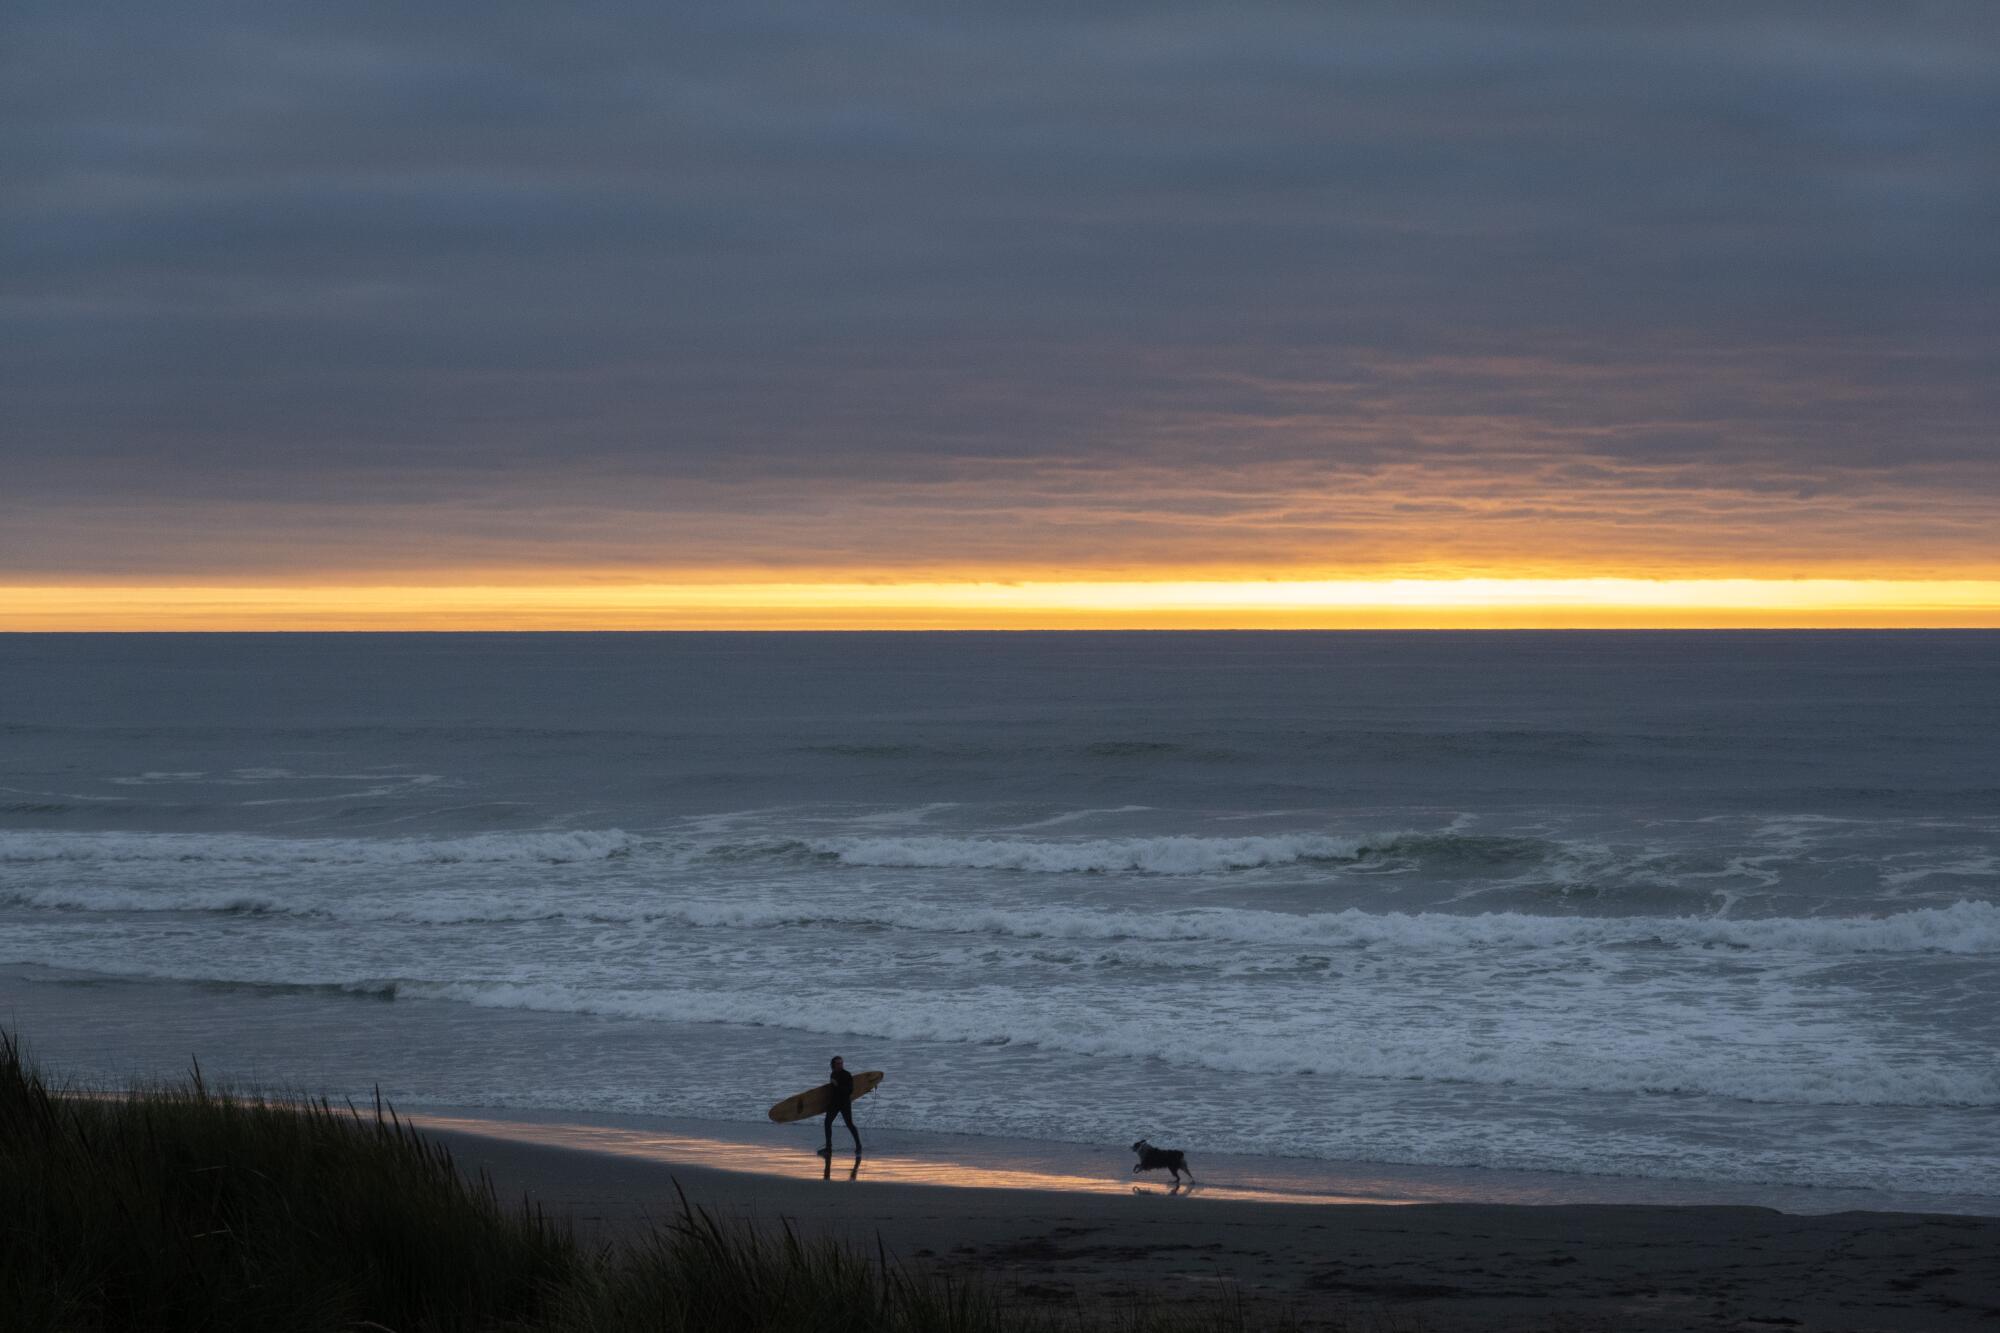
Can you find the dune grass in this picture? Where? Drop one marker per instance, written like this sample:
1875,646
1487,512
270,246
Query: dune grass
181,1207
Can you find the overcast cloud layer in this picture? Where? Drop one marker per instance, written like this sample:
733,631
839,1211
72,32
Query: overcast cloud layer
378,288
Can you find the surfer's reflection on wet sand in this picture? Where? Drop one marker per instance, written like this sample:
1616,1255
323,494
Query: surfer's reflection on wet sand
826,1169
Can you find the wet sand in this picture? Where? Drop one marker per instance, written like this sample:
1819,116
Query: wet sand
1382,1264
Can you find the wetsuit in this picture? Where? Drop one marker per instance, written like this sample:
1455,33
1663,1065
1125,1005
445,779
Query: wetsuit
842,1105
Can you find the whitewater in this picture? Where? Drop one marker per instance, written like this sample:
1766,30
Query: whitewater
1664,907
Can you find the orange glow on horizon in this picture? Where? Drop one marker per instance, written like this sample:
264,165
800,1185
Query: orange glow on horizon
938,603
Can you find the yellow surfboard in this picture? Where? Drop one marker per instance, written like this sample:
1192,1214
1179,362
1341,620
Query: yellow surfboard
814,1101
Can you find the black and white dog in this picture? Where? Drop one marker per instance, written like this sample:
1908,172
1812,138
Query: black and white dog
1155,1159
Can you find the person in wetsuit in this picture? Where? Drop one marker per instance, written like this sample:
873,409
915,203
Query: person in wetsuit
842,1105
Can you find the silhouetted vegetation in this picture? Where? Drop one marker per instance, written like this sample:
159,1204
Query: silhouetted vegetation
183,1208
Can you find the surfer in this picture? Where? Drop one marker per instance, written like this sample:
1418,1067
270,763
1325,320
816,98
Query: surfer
841,1104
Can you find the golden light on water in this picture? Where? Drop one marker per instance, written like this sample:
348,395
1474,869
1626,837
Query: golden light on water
1040,603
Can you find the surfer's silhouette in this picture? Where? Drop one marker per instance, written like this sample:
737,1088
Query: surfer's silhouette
840,1104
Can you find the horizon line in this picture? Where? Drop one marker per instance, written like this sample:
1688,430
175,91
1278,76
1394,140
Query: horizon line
914,631
993,604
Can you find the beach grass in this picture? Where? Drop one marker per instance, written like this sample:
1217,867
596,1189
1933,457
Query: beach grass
179,1206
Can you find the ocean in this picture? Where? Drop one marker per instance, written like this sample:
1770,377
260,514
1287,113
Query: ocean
1714,910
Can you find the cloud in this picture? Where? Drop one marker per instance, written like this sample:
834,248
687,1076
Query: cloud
386,286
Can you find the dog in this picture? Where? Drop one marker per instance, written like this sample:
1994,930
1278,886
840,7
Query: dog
1156,1159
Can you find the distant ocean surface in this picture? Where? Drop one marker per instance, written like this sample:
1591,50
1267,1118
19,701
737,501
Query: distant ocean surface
1703,907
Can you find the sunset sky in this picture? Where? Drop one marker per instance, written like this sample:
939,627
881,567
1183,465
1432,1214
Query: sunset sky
770,314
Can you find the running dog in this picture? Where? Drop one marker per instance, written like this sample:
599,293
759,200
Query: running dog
1157,1159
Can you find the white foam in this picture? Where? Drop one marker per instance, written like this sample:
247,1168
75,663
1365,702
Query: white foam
1965,927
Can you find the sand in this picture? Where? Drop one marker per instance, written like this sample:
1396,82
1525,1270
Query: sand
1443,1266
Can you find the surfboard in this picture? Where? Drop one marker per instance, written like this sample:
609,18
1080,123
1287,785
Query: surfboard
813,1101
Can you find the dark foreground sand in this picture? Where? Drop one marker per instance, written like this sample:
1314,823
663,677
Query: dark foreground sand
1365,1266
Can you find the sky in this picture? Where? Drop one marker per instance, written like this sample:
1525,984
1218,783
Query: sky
762,313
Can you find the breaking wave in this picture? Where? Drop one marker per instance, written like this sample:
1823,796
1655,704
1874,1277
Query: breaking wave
1965,927
1160,855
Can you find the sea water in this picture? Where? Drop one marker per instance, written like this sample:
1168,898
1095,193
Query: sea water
1713,908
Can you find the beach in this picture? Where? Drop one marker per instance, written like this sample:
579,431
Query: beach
1382,1265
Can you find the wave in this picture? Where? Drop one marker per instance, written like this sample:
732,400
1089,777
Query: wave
557,847
1162,855
1966,927
1505,861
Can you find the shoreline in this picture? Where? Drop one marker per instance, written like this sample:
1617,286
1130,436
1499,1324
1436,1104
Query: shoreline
1358,1262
